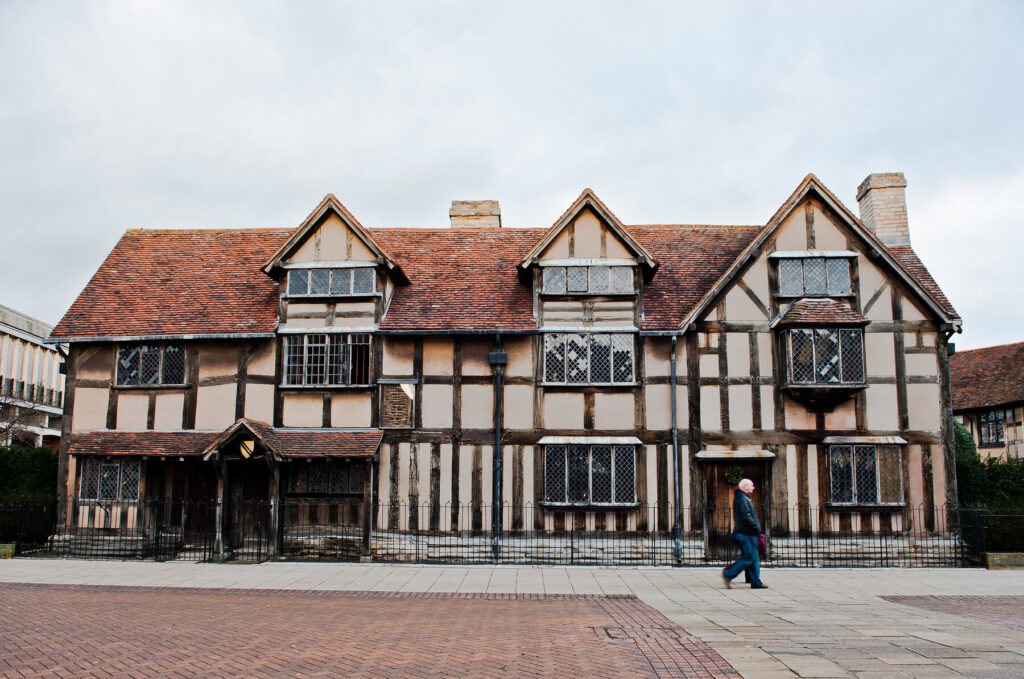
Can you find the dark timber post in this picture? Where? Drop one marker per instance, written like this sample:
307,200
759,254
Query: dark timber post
498,359
676,478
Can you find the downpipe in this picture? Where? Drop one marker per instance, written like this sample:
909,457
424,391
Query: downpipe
498,360
677,547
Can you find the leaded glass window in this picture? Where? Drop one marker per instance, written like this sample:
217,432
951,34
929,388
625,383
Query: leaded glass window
150,364
590,280
598,358
991,427
327,359
866,475
584,474
814,276
326,477
826,356
110,480
333,282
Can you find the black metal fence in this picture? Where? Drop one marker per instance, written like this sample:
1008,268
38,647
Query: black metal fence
342,530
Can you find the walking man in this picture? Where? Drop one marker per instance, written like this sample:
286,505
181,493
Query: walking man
746,528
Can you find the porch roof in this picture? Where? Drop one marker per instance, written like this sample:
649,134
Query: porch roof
142,443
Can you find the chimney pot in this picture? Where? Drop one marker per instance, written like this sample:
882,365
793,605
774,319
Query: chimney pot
883,207
475,214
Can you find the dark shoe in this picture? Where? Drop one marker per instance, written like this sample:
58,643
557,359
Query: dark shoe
761,586
728,583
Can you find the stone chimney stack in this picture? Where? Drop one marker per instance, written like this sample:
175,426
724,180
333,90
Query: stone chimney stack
883,207
475,214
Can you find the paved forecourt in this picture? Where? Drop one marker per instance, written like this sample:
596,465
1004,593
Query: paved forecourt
810,623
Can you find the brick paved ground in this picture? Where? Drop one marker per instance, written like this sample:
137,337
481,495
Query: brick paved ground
1005,611
112,631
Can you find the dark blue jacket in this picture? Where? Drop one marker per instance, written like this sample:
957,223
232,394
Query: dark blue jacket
744,516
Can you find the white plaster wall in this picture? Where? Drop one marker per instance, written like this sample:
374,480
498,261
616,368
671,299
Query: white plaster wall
132,411
397,359
827,235
656,357
737,354
871,277
767,408
90,410
922,364
659,409
437,406
216,360
882,410
741,413
739,307
215,406
518,407
843,417
797,416
709,365
520,357
615,411
438,356
169,410
879,354
351,410
474,357
923,407
563,411
95,363
792,234
710,409
300,410
259,402
262,359
477,406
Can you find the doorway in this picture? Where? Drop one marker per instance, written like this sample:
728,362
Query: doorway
246,507
718,494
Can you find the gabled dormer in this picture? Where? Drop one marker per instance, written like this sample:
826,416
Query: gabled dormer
587,271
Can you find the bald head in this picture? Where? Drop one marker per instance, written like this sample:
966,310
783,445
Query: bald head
747,486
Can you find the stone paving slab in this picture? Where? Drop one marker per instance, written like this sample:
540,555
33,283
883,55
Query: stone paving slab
837,617
51,630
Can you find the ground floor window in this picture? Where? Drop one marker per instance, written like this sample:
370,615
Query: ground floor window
327,477
590,474
990,426
866,475
109,479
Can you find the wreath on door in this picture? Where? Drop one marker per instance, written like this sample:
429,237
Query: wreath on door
733,474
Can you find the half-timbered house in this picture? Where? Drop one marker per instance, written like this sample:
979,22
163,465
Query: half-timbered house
590,376
988,397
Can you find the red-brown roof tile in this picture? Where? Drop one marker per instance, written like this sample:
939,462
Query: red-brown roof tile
169,282
820,312
987,377
170,443
906,256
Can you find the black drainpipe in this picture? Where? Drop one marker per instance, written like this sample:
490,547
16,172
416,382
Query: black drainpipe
676,528
498,359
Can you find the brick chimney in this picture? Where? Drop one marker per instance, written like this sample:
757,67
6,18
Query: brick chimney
883,207
475,214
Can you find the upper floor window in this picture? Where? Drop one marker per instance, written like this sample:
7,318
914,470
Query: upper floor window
590,474
866,475
571,358
826,355
109,480
990,428
322,359
802,276
330,282
588,280
142,364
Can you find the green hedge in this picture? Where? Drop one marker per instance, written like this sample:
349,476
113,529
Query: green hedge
995,484
27,472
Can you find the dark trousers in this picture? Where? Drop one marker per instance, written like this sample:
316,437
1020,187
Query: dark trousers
749,560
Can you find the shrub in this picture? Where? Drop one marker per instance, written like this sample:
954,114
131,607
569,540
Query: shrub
27,472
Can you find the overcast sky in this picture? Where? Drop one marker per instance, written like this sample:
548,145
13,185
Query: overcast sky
164,114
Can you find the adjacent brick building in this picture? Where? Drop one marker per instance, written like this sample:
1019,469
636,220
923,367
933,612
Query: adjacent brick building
591,374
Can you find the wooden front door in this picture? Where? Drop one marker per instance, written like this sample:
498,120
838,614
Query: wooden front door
718,494
245,502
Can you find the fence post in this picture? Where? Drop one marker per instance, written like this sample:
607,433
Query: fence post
20,535
258,527
156,540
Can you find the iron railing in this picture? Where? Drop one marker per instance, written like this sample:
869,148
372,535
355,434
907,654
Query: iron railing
340,529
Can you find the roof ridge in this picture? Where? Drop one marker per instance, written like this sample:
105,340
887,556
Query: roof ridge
961,352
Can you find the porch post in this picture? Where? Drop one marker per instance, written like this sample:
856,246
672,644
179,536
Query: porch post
218,542
367,509
275,507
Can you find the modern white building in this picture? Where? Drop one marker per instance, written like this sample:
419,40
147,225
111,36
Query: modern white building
31,382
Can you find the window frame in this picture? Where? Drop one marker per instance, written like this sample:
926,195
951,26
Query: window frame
345,365
855,501
590,342
826,258
992,428
588,292
119,483
564,449
841,368
332,271
161,348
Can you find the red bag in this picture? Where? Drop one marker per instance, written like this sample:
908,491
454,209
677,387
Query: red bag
762,545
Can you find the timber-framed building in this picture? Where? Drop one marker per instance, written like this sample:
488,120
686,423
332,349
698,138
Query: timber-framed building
591,375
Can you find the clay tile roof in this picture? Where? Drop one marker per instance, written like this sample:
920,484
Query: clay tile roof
169,282
170,443
987,377
691,259
906,256
321,443
819,312
462,279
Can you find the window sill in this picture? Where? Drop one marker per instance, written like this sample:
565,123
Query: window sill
577,295
816,295
147,387
325,387
998,444
836,507
333,298
591,385
589,505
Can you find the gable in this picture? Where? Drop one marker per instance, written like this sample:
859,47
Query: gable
332,240
586,236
